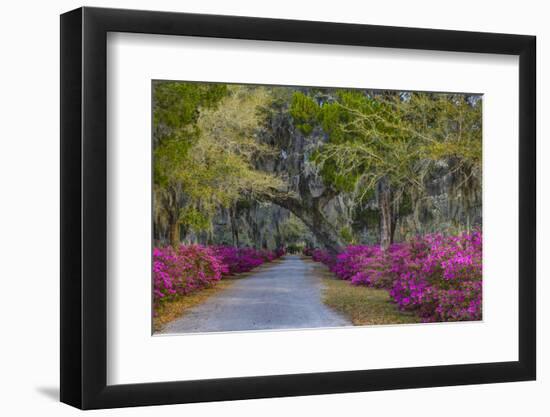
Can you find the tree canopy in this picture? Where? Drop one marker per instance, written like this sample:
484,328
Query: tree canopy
339,160
389,143
205,148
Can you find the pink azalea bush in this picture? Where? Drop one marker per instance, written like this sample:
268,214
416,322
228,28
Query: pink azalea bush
445,284
279,252
193,267
179,272
437,277
320,255
240,260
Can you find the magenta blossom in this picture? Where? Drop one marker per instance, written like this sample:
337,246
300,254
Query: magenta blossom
437,277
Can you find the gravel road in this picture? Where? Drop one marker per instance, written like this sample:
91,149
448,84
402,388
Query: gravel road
283,295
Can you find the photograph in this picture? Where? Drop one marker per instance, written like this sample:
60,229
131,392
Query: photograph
259,206
299,207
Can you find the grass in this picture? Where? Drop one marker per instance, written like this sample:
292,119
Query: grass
363,305
172,310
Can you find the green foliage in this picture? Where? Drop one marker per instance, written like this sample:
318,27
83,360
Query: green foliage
346,233
365,216
332,174
294,231
176,109
295,248
194,219
365,140
405,205
395,137
209,140
204,150
304,110
176,104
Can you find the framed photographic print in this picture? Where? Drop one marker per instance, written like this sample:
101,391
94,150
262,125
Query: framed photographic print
283,208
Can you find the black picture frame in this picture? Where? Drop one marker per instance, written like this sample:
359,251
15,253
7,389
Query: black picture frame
84,207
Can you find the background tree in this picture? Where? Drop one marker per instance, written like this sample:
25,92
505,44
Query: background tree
233,164
303,193
176,108
388,142
205,162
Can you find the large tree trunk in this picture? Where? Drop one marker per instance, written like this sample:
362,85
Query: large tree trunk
309,210
386,215
417,205
303,182
255,230
174,234
323,231
278,239
171,200
234,226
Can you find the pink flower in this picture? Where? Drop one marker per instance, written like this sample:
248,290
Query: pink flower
437,277
177,272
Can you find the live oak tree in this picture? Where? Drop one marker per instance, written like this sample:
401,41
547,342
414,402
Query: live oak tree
221,169
303,192
220,148
176,109
204,144
387,143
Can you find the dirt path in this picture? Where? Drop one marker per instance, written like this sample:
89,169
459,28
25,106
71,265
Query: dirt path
282,295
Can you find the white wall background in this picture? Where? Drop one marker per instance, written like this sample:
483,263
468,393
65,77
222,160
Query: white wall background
29,225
